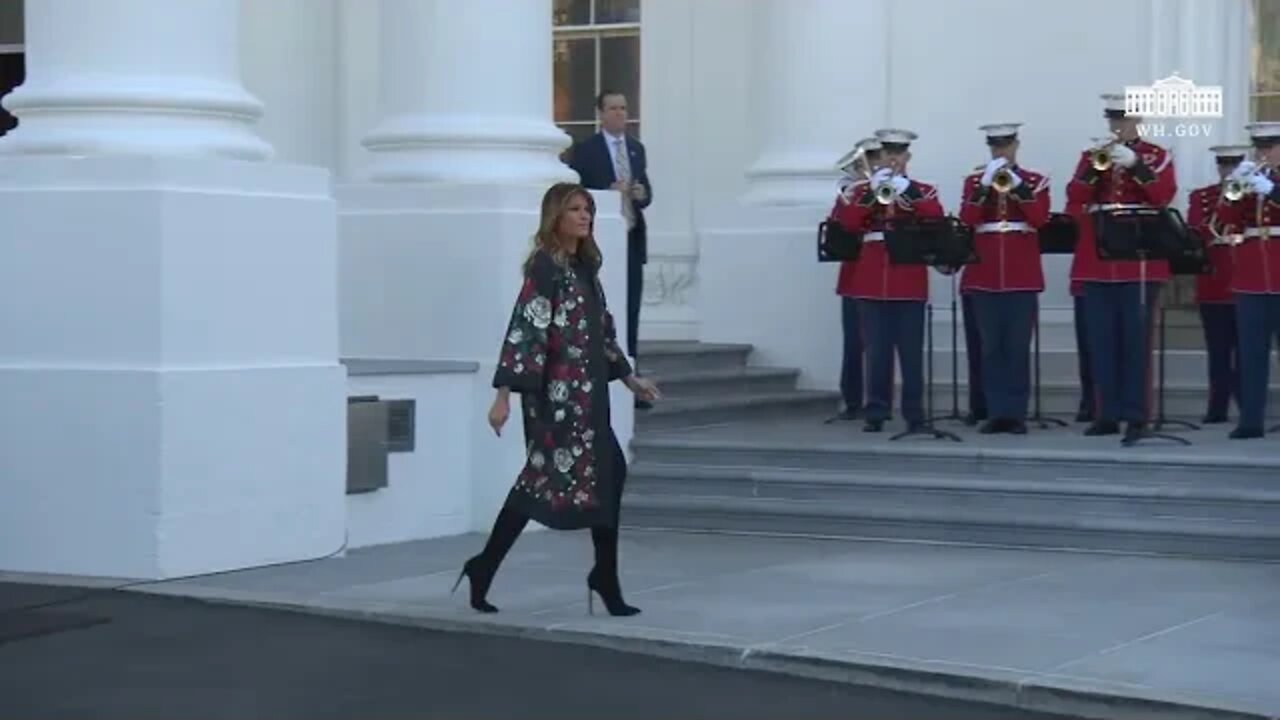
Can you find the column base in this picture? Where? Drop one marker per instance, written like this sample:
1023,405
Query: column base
432,271
173,400
760,283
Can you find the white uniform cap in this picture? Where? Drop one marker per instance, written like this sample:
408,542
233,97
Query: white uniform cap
1000,130
1113,102
1264,130
895,136
1230,151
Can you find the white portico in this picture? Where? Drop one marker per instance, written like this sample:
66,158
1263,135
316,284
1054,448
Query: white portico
206,204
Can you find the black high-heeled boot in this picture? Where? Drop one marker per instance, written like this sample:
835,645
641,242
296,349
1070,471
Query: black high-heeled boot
603,578
481,569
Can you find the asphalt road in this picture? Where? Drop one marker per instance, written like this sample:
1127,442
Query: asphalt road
68,653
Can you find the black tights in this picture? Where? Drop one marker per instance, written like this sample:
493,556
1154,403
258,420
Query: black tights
508,526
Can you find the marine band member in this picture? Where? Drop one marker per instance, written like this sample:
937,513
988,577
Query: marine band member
891,297
852,372
1140,175
1005,204
1256,276
1216,223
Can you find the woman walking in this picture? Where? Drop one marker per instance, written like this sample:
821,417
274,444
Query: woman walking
560,353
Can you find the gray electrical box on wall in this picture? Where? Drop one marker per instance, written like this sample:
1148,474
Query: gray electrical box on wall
367,425
400,425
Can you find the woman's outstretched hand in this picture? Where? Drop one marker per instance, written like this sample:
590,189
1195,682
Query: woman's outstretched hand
499,411
643,388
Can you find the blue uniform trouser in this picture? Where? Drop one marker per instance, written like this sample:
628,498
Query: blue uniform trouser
1220,340
851,372
973,354
889,326
1120,347
1257,323
1088,393
1006,320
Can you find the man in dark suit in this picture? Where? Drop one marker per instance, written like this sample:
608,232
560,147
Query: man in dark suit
612,160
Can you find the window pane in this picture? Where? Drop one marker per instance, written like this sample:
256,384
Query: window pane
620,69
12,71
11,22
617,11
575,80
571,12
1266,108
1266,55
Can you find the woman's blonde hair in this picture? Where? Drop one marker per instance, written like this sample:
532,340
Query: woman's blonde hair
555,202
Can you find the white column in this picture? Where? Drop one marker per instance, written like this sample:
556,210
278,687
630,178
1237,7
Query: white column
821,68
134,77
466,94
173,401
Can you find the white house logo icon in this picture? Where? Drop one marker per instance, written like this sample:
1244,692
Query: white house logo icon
1174,96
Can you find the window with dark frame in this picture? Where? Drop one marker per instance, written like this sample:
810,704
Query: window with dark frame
12,61
1264,100
596,45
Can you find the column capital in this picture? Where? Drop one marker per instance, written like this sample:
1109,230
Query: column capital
134,77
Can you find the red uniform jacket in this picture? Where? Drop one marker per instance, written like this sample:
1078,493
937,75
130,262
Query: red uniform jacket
1008,258
1257,266
1151,182
1203,207
873,277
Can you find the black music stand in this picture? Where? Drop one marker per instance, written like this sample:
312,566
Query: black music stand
933,242
1144,235
1187,256
1057,236
955,353
836,244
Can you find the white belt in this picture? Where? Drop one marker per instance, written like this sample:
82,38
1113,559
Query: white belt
876,236
1003,227
1118,206
1267,232
1226,240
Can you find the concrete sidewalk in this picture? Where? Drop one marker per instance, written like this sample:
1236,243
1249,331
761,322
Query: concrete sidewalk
1076,634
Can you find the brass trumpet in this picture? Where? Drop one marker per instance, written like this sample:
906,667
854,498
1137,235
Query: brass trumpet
1001,181
855,165
1100,157
1234,188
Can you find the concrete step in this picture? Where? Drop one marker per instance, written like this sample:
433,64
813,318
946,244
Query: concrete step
1177,501
1181,367
1186,537
726,383
664,358
1059,399
672,413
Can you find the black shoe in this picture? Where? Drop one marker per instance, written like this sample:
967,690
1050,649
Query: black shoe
1244,433
610,591
873,426
1213,418
1017,427
1084,416
973,418
1103,427
644,405
992,427
479,578
1133,432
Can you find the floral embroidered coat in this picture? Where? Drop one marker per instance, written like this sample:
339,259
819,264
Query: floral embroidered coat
560,353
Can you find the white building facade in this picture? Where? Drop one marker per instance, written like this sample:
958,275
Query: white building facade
205,205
